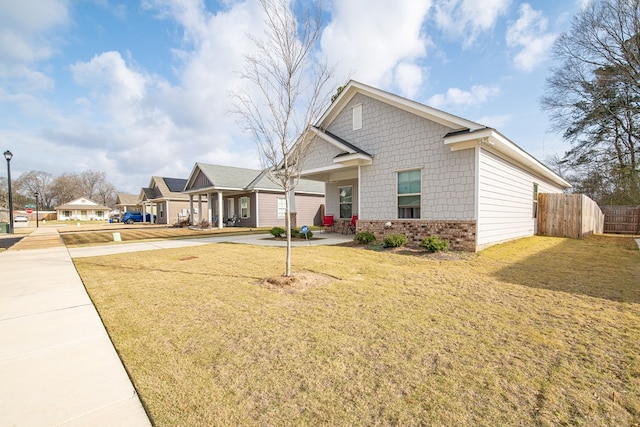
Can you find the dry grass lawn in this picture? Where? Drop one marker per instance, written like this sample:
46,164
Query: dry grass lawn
540,331
73,237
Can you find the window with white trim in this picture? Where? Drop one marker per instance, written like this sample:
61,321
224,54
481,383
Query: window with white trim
409,193
346,202
357,117
282,208
244,207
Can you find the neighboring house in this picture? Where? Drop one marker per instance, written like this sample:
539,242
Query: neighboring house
127,203
82,209
404,167
164,199
248,198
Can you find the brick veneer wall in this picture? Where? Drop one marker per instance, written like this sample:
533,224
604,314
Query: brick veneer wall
460,234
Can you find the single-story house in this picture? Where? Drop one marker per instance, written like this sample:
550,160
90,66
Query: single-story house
164,199
404,167
127,203
248,198
82,209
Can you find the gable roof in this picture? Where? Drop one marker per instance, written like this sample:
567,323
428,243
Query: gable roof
352,88
231,178
83,203
465,133
164,188
126,199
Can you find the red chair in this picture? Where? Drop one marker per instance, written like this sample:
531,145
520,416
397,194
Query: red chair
327,222
351,227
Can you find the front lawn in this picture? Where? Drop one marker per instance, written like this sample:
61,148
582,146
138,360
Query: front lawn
540,331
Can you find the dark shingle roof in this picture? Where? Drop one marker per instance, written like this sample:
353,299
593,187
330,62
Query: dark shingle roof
175,185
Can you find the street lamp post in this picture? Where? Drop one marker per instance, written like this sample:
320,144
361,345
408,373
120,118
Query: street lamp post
36,194
8,155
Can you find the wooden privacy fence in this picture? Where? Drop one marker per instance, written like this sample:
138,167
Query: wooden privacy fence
621,219
568,215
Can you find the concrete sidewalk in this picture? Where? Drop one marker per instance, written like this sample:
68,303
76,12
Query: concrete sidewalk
250,239
57,363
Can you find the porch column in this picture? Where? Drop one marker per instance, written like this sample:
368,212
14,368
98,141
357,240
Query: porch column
144,213
191,218
153,206
257,209
220,209
209,209
200,208
359,181
166,214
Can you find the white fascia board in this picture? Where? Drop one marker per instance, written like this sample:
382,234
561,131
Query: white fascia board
353,87
494,140
323,169
212,190
353,159
330,140
192,176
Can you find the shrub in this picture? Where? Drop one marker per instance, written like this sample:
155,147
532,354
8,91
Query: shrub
435,244
277,231
309,234
295,233
395,240
364,238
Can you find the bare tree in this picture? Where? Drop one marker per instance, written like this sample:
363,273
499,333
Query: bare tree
33,182
287,93
593,97
65,188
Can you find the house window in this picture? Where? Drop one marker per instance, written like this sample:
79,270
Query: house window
409,194
100,214
282,208
346,202
535,201
66,214
357,117
244,207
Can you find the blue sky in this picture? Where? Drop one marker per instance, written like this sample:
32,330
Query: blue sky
140,88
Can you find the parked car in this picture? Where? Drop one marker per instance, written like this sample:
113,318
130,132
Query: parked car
21,218
114,218
131,217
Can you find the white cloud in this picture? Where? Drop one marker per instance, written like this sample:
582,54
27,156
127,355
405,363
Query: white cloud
529,35
131,122
455,97
26,39
378,42
467,19
497,121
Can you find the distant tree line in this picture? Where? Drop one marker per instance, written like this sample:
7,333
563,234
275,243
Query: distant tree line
593,98
55,191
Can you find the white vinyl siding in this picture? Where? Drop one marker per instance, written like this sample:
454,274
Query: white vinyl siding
505,194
